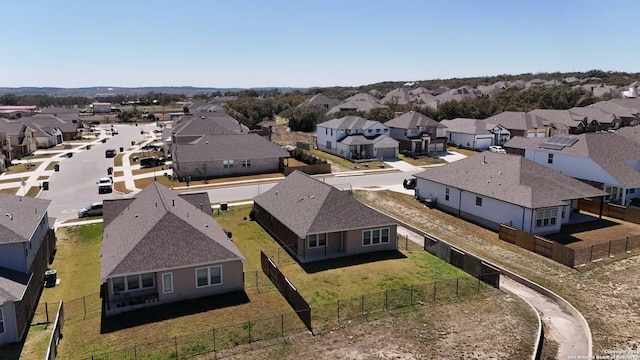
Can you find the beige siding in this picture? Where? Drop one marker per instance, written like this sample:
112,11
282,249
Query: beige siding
184,282
354,241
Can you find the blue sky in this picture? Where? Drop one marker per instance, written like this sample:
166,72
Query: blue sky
259,43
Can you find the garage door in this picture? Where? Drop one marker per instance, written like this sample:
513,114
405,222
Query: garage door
483,144
387,153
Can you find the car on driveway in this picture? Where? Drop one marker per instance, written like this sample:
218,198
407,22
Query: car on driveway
497,149
94,209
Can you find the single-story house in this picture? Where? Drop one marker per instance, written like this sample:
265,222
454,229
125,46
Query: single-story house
316,221
27,245
492,189
161,247
519,123
475,134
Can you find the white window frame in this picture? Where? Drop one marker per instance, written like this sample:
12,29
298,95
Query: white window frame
546,217
375,236
209,283
550,159
170,283
246,163
126,283
315,241
227,164
478,201
446,194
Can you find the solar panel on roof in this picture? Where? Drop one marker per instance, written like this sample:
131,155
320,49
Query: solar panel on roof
558,142
551,146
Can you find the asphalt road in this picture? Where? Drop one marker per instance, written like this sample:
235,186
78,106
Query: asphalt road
74,186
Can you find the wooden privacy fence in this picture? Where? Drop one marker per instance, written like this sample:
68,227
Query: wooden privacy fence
56,333
626,213
290,293
566,255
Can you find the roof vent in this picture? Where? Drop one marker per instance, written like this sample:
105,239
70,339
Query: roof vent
173,202
9,216
137,216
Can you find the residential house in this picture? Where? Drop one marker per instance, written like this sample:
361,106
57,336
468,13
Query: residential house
209,145
520,123
600,119
21,137
475,134
534,83
321,101
564,122
50,130
101,107
459,94
353,138
315,221
65,114
27,245
362,102
627,116
417,133
492,189
6,154
399,96
606,160
16,111
161,247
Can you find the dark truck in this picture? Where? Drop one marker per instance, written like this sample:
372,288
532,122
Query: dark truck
151,161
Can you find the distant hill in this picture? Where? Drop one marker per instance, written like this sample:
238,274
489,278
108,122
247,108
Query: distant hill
104,91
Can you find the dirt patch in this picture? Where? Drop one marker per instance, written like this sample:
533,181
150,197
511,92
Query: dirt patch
282,135
497,326
585,234
606,292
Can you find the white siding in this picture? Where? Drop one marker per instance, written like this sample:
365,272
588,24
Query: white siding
574,166
10,333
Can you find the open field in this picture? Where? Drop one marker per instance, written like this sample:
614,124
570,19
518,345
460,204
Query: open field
605,292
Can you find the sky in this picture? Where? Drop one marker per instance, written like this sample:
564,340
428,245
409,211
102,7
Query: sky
303,43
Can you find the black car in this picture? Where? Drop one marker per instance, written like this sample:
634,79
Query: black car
110,153
151,161
409,183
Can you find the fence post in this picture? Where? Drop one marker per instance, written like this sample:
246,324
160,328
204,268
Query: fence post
434,290
250,342
478,288
46,311
214,343
411,296
626,245
591,254
338,310
609,248
135,351
84,304
362,305
282,324
257,286
406,242
457,279
175,344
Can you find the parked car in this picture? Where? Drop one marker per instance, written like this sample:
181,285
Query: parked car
409,183
497,149
114,131
151,147
105,185
94,209
151,161
110,153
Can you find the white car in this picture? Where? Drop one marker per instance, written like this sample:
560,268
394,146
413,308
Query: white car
105,185
497,149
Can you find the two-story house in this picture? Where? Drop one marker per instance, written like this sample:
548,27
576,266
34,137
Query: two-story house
417,133
354,138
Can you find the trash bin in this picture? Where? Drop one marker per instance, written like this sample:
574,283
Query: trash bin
121,149
109,170
56,167
133,142
104,140
45,185
430,203
88,147
69,154
224,206
50,277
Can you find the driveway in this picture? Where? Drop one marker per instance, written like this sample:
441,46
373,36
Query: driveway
401,165
451,156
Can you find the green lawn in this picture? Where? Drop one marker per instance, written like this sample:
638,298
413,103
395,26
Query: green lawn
340,164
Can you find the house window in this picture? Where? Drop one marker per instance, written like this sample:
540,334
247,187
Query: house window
377,130
370,130
1,321
329,145
546,217
209,276
446,194
326,131
167,283
317,240
478,201
375,237
246,163
550,159
227,164
132,282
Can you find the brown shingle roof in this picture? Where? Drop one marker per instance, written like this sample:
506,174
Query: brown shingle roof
510,178
411,120
309,206
160,230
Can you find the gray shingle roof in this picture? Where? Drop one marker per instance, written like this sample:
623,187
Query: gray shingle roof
516,120
309,206
411,120
12,285
348,122
160,230
207,123
467,126
225,147
510,178
611,151
20,217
